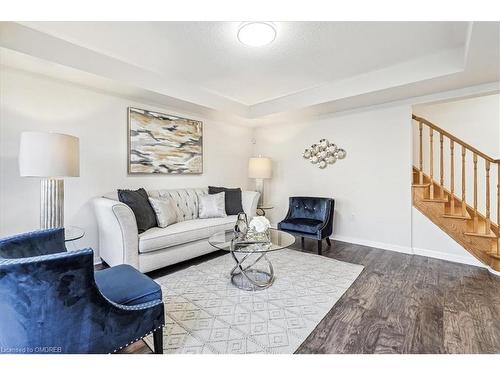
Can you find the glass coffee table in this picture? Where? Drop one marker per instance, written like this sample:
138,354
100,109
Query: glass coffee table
250,258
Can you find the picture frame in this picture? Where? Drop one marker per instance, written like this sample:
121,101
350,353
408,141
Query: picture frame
160,143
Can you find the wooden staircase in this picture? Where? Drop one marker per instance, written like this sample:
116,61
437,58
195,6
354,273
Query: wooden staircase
437,199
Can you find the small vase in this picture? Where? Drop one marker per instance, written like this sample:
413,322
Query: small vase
241,226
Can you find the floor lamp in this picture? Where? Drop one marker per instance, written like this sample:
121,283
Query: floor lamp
260,168
50,156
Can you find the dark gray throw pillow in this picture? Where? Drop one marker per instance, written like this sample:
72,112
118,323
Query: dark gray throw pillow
232,198
138,201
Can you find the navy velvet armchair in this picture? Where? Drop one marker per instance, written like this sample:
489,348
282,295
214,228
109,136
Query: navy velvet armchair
309,217
52,301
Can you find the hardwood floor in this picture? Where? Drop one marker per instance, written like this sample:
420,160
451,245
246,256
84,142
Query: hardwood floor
400,304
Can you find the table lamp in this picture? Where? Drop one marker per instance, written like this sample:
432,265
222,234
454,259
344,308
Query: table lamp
50,156
260,168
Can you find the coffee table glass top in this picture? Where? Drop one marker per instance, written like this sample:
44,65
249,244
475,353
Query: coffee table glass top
279,240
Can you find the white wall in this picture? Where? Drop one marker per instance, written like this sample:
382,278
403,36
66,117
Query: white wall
429,240
371,186
33,102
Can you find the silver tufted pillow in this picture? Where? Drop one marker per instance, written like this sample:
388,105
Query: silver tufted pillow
185,201
212,206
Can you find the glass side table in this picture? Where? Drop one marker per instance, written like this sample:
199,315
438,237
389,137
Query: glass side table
73,233
261,209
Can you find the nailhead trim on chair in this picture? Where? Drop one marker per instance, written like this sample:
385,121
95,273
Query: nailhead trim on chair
137,307
137,339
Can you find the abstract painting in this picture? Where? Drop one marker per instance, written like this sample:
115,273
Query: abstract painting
163,144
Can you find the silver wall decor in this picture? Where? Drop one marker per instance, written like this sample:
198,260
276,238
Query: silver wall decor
324,153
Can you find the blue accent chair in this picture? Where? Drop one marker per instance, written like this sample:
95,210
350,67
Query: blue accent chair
52,301
309,217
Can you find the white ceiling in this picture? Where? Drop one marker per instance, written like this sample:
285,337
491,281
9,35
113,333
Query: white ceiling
304,54
315,65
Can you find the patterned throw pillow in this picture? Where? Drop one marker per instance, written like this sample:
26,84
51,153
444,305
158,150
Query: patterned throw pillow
164,208
212,206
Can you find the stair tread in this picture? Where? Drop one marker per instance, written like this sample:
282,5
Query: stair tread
493,254
455,216
421,185
437,200
489,235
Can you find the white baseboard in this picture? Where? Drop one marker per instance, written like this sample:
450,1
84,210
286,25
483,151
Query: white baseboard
492,271
378,245
415,251
449,257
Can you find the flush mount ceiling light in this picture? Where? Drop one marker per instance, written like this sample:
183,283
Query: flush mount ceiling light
256,34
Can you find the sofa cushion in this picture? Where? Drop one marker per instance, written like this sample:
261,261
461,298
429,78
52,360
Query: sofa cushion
212,206
185,201
138,201
232,198
165,211
125,285
183,232
311,226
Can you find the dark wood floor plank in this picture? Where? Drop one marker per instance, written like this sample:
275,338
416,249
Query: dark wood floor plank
400,303
459,333
427,333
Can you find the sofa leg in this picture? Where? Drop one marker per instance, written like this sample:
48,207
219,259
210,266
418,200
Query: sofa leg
328,241
158,341
302,242
320,243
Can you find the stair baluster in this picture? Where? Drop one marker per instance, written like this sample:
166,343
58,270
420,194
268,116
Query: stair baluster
464,205
431,162
488,219
476,218
421,157
452,176
441,166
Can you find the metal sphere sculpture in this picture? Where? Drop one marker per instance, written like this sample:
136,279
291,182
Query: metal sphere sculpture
324,153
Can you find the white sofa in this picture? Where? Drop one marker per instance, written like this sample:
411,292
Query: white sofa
119,241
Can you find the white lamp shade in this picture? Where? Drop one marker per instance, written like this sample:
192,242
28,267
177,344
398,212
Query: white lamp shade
49,155
259,167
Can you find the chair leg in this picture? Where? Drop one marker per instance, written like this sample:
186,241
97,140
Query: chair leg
328,241
158,341
302,242
320,243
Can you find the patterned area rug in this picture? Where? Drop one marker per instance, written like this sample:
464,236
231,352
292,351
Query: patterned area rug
205,313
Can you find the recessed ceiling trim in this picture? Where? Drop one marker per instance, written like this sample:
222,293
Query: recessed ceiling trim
467,65
437,65
41,45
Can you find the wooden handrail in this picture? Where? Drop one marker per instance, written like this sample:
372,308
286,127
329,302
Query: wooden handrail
457,140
